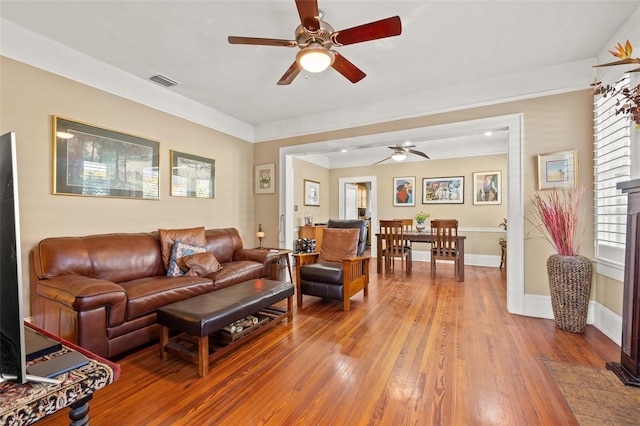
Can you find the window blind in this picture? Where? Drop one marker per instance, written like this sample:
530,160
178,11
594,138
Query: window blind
612,164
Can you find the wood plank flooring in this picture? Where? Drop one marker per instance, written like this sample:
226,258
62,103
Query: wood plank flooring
416,351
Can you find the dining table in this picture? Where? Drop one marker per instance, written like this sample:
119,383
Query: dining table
424,237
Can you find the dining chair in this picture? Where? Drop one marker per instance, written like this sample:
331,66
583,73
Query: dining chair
407,226
394,245
444,243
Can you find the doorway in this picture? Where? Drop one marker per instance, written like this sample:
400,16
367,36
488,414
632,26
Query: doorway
372,182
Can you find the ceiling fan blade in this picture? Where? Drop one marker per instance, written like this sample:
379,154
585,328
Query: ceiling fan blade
421,154
262,41
372,31
347,69
290,74
381,161
308,11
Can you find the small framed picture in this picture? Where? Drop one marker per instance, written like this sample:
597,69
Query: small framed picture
311,193
558,170
487,187
404,191
443,190
265,176
192,176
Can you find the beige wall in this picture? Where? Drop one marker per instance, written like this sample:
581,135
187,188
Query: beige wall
304,170
468,214
550,124
29,97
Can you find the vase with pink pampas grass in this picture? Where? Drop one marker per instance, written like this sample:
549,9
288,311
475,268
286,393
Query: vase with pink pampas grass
556,214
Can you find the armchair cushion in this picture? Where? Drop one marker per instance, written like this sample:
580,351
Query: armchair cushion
352,223
326,272
338,244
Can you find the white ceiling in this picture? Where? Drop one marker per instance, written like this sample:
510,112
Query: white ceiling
450,53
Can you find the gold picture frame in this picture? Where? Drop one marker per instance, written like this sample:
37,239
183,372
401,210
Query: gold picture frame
558,170
192,176
96,162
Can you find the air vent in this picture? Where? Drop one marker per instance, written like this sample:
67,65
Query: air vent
165,81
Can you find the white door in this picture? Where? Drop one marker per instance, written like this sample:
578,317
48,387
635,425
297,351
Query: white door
350,201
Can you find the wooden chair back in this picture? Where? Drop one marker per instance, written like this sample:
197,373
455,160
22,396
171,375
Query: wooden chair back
444,244
392,234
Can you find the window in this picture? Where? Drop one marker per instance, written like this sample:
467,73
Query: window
612,164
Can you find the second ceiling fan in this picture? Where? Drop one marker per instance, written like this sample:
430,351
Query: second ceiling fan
315,38
400,153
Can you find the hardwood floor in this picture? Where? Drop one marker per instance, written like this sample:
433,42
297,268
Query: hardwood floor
416,351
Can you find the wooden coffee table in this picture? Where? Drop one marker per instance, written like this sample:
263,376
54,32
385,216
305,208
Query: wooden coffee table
200,318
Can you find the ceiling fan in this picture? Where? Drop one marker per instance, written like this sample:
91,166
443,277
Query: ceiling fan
400,153
315,38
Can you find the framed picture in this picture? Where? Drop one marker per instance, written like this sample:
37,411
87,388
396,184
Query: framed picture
443,190
97,162
558,170
265,176
311,193
192,176
487,187
404,193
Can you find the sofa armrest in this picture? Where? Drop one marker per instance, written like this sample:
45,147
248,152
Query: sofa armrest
81,293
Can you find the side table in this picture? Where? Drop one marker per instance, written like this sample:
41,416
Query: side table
283,254
27,403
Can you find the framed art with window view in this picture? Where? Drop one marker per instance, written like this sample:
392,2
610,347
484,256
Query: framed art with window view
192,176
97,162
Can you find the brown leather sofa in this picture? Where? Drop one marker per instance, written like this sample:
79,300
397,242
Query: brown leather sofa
102,291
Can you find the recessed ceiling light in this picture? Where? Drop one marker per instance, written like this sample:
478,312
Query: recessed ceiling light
407,143
343,150
488,133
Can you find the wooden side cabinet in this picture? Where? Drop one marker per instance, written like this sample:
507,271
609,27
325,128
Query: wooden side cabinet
628,369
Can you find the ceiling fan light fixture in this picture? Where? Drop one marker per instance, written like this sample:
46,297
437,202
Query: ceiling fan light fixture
399,155
315,58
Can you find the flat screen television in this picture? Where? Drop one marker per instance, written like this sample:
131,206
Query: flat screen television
13,359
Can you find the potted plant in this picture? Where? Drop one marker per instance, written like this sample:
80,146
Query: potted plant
570,274
420,218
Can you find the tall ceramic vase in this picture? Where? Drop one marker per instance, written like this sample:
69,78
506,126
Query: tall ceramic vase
570,285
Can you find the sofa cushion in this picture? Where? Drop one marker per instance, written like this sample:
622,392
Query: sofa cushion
338,244
181,249
199,264
186,235
146,295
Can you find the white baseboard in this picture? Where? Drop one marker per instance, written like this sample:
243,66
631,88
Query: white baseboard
469,259
601,317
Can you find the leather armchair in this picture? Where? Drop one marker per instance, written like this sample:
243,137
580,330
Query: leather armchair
336,279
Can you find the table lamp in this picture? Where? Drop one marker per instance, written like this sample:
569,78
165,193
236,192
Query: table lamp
260,235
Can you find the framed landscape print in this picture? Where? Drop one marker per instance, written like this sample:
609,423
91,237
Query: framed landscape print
192,176
558,170
443,190
404,191
487,187
97,162
311,193
265,179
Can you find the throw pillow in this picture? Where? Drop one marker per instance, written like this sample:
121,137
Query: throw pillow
179,250
338,244
186,235
199,264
